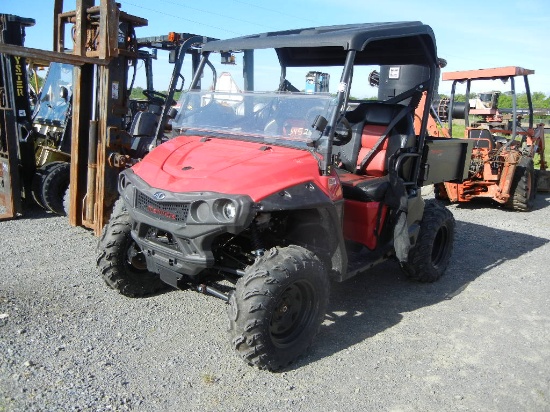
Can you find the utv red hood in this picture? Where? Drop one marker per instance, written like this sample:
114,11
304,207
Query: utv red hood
196,164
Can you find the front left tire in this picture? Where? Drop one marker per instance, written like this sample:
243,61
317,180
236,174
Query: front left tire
278,306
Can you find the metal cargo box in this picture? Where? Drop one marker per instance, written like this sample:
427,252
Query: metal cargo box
447,160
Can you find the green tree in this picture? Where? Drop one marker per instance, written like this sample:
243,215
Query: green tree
137,93
540,101
458,97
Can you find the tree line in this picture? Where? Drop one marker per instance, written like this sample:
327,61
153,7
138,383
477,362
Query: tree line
539,100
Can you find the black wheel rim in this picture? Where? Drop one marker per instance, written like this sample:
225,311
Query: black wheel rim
293,312
441,246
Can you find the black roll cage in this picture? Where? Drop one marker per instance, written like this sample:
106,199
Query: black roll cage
398,43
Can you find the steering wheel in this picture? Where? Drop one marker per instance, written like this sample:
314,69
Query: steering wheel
342,132
155,97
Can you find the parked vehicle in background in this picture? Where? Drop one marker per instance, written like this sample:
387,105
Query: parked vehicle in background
502,163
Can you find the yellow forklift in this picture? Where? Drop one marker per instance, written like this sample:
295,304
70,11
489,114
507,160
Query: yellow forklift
109,132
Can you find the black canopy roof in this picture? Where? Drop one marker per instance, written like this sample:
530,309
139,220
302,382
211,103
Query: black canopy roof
376,43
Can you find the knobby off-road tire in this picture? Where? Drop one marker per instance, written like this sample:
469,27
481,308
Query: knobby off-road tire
523,187
430,256
121,263
54,186
278,307
38,179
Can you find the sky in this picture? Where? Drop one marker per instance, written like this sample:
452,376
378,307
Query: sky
470,34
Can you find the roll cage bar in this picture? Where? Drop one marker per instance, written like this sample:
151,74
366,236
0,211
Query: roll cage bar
398,43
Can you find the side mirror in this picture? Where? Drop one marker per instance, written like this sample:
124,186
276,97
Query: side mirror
319,123
172,113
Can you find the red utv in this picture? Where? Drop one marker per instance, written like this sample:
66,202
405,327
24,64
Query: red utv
278,193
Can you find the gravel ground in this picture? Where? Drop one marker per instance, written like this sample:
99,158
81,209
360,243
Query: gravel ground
479,339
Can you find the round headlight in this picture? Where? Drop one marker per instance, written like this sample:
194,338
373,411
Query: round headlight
229,211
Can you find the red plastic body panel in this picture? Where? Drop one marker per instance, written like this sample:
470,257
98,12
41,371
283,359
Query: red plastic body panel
196,164
360,220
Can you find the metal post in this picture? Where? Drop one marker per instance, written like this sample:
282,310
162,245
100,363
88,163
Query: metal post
82,108
57,9
92,170
326,144
16,142
466,103
248,70
514,109
173,84
529,101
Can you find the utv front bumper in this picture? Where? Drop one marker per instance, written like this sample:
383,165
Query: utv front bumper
175,231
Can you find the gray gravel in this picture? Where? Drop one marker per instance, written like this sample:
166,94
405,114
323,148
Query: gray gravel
476,340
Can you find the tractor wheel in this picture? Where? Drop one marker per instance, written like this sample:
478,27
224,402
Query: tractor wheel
120,261
54,186
278,306
430,256
38,182
522,190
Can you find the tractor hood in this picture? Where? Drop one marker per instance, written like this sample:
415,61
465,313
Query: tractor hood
198,164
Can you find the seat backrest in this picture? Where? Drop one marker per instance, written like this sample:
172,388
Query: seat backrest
144,124
369,122
483,136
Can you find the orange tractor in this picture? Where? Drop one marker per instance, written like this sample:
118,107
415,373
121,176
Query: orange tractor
502,163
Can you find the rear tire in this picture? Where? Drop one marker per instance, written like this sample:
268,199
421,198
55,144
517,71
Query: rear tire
430,256
523,188
54,186
38,182
278,307
121,263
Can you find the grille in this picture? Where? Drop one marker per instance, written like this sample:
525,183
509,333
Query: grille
166,210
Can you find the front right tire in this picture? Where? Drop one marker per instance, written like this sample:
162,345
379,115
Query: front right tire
120,261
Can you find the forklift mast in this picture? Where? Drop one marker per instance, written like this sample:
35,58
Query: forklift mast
15,118
102,47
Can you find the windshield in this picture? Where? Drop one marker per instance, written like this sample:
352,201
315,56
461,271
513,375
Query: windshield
272,117
55,97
